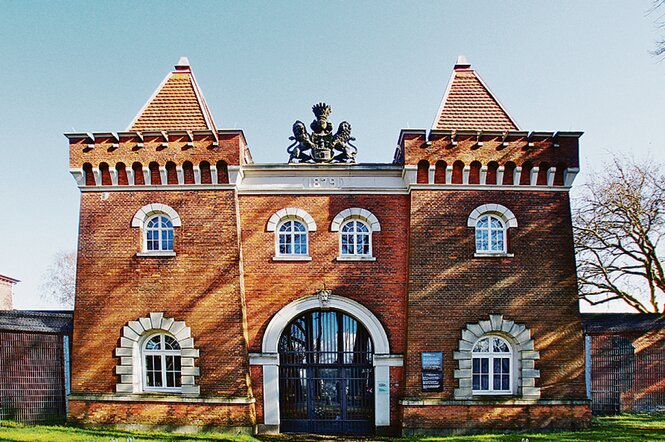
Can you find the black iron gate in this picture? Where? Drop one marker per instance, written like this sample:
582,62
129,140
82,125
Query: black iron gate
326,377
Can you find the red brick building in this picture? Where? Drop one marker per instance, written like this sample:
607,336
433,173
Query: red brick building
434,293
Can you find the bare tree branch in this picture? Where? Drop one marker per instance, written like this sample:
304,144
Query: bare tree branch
618,224
58,282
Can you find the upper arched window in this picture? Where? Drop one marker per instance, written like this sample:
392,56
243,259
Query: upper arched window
158,234
490,235
292,238
161,363
492,366
355,239
356,227
157,222
292,227
491,223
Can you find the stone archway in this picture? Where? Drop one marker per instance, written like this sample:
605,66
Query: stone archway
269,358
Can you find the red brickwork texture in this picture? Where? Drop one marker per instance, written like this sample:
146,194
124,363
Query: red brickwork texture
468,151
379,285
629,368
171,414
458,418
200,286
449,288
128,151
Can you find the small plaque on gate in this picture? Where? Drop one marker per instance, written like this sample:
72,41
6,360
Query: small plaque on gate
432,371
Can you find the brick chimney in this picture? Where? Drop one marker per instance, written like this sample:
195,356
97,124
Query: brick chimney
6,288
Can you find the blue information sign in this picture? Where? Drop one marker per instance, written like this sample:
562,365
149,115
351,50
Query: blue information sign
432,371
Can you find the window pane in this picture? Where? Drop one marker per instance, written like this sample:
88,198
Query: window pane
298,227
476,365
496,224
500,345
482,345
170,343
505,365
482,222
484,365
154,343
484,382
482,241
497,382
505,382
476,382
497,240
346,244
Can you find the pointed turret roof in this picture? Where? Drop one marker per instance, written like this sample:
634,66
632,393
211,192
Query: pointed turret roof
468,104
177,104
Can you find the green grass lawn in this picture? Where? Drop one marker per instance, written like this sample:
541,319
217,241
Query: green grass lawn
629,427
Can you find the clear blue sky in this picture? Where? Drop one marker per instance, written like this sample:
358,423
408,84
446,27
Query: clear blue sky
91,65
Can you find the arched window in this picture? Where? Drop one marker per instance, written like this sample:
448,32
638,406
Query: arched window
158,234
356,227
292,238
292,227
355,239
492,366
161,363
491,223
490,235
157,353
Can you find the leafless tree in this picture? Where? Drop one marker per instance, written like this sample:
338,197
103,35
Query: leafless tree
660,24
619,222
58,282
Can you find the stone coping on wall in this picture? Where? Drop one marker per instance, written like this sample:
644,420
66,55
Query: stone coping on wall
150,397
483,401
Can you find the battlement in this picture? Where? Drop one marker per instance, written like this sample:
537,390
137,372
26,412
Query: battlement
490,157
157,158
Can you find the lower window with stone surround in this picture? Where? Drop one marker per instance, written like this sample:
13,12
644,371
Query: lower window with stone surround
157,355
496,357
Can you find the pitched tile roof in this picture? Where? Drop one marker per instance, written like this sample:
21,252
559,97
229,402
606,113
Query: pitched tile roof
468,104
177,104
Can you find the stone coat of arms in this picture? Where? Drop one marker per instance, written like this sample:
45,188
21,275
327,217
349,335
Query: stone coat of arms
322,146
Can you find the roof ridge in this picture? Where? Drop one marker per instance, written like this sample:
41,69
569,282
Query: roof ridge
471,105
176,104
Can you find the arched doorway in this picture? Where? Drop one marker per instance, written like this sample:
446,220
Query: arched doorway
326,374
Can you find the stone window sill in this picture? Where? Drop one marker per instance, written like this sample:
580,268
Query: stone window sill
493,255
292,258
355,258
157,254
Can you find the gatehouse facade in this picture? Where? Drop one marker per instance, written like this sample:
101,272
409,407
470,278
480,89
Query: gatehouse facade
434,293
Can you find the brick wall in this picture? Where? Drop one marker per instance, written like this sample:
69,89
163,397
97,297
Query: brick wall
449,288
379,285
162,414
200,285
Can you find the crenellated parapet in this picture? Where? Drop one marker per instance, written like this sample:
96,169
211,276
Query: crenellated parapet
515,158
157,157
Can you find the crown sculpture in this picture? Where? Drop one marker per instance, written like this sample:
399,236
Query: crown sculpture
321,146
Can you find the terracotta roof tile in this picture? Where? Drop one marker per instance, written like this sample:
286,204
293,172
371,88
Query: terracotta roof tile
469,105
177,104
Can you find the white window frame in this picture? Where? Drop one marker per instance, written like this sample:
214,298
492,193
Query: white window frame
141,219
287,214
354,255
278,233
491,355
161,230
163,353
489,229
356,214
507,219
